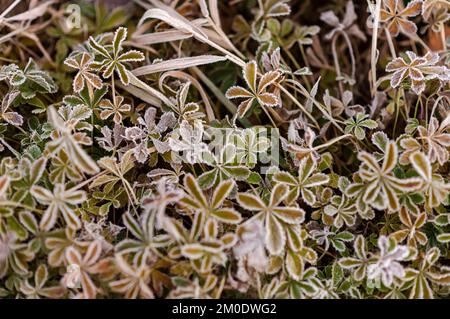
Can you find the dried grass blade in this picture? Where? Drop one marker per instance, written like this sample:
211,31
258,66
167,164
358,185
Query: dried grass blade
172,12
145,87
31,14
162,37
214,11
141,94
172,18
198,86
177,64
166,36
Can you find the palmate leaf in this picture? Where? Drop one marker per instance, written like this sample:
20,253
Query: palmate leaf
435,189
412,230
113,62
360,262
250,74
277,219
218,174
39,77
204,206
84,74
358,124
382,186
224,168
306,286
305,180
58,201
85,99
421,288
234,226
420,279
338,241
68,142
342,210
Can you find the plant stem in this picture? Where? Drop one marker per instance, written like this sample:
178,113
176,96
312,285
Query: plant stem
15,204
113,89
443,38
336,64
390,43
373,52
11,149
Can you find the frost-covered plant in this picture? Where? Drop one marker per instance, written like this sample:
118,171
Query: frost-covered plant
127,170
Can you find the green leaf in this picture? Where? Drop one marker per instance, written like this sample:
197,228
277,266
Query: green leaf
254,178
359,133
240,173
349,262
250,202
294,265
123,74
99,49
119,36
192,251
345,236
275,237
133,226
208,179
227,215
132,55
29,221
338,245
380,139
16,227
444,238
442,220
336,274
221,193
370,124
